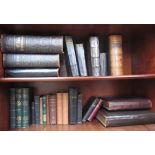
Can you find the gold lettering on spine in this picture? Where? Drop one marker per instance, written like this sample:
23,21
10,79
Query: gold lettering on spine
19,43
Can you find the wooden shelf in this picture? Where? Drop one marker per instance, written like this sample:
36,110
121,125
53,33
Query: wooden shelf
88,126
89,78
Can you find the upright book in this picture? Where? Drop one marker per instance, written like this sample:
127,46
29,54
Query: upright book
31,44
79,108
103,64
37,109
44,110
59,108
65,108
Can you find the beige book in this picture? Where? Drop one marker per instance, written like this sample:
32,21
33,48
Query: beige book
65,108
59,108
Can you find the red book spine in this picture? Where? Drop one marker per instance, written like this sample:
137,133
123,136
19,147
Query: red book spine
96,109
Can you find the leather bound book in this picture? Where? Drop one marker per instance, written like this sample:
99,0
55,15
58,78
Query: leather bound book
44,110
96,109
80,52
103,64
127,104
33,113
40,72
31,44
59,108
41,110
95,55
31,60
25,107
79,108
65,108
19,105
37,109
47,109
90,106
12,108
52,99
73,102
116,55
71,56
122,118
63,66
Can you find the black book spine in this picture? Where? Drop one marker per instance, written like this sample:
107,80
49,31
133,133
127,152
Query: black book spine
26,111
31,60
31,44
103,64
33,113
37,109
79,109
73,93
54,72
12,108
19,105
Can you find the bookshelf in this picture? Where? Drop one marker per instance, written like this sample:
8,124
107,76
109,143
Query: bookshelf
138,63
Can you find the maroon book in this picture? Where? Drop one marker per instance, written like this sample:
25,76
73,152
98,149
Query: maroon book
96,109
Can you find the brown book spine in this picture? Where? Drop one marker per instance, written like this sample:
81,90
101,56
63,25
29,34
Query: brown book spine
52,99
116,55
41,111
31,60
31,44
48,110
65,108
59,108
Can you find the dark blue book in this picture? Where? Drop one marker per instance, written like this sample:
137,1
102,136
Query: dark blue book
37,109
79,108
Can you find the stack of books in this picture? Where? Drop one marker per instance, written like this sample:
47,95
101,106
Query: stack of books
126,111
31,56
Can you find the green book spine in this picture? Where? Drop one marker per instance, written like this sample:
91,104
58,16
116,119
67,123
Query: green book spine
44,110
19,108
12,108
25,108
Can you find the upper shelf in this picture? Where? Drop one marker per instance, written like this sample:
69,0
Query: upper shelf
89,78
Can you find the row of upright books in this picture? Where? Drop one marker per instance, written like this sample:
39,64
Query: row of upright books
53,56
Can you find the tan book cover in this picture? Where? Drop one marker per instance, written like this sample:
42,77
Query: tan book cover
41,111
59,108
48,110
65,108
116,55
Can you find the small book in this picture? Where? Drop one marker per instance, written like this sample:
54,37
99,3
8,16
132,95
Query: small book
122,118
71,56
80,52
65,108
59,108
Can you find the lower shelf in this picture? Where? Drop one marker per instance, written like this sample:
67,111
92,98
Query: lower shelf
88,126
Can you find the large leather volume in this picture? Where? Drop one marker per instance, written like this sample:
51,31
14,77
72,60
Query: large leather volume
103,64
44,110
71,56
116,55
128,104
122,118
19,104
12,108
31,44
81,59
52,99
65,108
73,94
95,55
31,60
46,72
79,108
25,107
37,109
59,108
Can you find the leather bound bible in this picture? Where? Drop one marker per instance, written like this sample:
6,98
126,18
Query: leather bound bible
52,99
122,118
95,55
37,109
41,72
12,108
31,44
127,104
65,109
81,59
71,56
73,99
79,108
116,55
103,64
59,108
96,109
31,60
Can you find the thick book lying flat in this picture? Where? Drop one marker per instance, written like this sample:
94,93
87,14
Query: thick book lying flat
54,72
127,104
31,44
31,60
122,118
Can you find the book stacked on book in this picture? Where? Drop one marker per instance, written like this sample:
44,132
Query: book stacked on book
19,107
126,111
31,56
